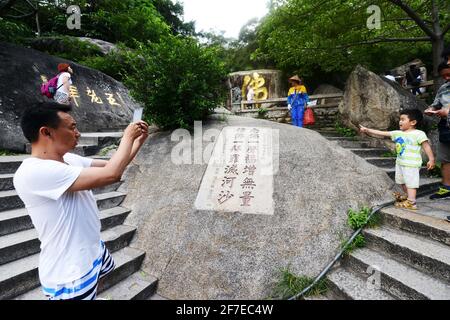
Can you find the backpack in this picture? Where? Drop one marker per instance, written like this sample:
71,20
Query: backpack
49,88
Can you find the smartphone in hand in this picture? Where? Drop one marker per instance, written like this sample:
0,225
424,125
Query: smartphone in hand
137,115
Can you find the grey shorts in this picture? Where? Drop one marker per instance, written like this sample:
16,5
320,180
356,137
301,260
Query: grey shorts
443,151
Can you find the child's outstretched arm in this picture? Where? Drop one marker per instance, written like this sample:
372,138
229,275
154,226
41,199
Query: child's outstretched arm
375,132
427,148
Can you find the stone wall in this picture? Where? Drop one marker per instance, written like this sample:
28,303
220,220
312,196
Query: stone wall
267,84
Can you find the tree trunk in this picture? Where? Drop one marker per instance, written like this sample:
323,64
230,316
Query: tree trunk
38,27
438,46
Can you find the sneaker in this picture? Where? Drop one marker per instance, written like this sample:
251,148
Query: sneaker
407,204
441,193
448,218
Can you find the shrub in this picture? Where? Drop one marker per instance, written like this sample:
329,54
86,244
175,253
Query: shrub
289,285
177,80
358,219
14,32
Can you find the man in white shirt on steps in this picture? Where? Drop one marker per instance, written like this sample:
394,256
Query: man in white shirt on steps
56,188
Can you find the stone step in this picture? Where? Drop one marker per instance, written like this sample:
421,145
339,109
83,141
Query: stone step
328,133
106,189
391,172
109,200
422,253
350,286
371,152
138,286
100,139
428,185
357,144
18,220
9,200
381,162
20,276
24,243
398,279
157,297
6,182
128,262
83,150
341,138
426,226
9,164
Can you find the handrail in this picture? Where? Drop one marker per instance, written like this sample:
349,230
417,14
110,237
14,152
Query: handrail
338,256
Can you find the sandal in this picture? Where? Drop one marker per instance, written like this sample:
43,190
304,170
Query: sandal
407,204
399,197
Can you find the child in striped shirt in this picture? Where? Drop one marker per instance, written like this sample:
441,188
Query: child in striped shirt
408,141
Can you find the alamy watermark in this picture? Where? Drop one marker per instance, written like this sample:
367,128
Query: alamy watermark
374,21
374,279
255,146
74,19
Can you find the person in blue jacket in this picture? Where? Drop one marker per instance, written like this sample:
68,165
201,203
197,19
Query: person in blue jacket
297,100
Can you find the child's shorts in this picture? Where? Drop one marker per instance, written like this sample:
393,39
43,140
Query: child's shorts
86,287
407,176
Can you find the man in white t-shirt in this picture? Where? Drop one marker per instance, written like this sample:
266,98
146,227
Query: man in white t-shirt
55,187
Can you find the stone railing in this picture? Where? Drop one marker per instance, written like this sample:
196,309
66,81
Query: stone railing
325,111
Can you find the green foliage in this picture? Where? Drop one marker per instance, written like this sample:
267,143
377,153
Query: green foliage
7,153
290,284
359,219
389,154
13,32
113,20
177,80
358,242
115,64
346,132
262,113
331,37
66,47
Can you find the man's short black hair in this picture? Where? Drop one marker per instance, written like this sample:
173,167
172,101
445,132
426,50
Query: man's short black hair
41,114
442,66
413,114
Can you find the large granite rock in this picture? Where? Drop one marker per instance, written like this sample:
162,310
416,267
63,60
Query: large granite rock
59,44
374,102
229,254
102,103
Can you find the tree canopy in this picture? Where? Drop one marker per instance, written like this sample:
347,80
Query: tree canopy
333,35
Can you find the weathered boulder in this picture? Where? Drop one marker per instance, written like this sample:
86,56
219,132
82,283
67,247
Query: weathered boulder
232,252
104,46
374,102
101,103
327,89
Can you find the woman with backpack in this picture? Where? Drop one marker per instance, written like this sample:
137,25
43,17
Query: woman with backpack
62,95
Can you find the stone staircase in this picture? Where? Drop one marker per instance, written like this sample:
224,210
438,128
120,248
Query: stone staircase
411,250
20,246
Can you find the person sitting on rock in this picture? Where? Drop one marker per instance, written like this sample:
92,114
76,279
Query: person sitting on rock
440,108
55,187
408,141
62,95
297,100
